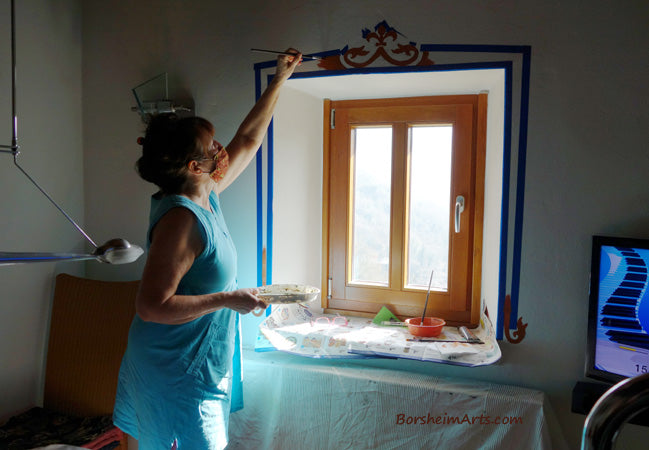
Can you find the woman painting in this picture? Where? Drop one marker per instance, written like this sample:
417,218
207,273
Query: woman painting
175,379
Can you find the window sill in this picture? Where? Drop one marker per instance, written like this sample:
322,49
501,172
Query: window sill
290,329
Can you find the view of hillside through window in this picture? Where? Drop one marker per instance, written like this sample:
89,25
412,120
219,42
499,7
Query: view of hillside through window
430,191
372,163
428,217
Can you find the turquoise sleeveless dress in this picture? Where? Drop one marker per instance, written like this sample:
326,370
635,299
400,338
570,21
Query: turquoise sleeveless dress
175,381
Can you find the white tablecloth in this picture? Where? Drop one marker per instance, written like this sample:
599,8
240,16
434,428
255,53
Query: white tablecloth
297,403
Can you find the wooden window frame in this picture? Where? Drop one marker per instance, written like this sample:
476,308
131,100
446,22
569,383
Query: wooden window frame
462,304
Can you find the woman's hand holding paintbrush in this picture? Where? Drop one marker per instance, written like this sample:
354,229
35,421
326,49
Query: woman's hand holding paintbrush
274,52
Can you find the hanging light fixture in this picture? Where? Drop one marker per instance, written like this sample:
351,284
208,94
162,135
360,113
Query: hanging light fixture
115,251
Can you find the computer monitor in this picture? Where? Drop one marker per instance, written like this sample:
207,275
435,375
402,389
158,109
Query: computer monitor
618,318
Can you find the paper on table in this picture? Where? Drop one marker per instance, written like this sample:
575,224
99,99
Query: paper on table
292,328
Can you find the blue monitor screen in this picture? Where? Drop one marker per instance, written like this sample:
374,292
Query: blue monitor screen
619,314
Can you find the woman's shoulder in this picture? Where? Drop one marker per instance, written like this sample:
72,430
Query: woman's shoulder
160,200
173,212
178,225
177,218
160,205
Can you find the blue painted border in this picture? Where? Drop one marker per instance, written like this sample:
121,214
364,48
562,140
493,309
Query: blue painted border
525,51
520,186
259,192
504,206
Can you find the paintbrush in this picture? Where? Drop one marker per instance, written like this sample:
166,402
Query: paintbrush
273,52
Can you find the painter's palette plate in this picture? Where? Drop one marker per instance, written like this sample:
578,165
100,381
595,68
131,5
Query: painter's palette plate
277,294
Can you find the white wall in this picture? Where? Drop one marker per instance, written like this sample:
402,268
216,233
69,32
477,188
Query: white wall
586,149
586,162
297,199
48,54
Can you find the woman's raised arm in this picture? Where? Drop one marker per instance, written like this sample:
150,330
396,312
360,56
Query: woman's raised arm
251,132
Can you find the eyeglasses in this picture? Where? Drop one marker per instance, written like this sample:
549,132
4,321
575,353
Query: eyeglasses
202,160
323,320
218,158
215,145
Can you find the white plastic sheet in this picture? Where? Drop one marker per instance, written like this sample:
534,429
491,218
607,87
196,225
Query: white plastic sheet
295,329
298,403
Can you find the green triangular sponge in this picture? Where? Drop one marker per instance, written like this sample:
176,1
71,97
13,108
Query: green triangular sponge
384,315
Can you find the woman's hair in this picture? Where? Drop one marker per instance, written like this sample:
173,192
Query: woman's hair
168,146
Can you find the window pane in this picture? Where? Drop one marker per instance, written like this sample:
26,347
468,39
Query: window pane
372,156
430,191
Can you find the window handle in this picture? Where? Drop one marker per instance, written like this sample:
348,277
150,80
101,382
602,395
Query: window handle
459,208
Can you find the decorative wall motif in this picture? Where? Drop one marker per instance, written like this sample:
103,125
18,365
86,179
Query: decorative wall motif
382,43
519,334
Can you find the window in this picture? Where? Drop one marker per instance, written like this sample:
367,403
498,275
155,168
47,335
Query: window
403,197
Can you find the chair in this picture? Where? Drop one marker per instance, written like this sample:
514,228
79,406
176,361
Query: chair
88,335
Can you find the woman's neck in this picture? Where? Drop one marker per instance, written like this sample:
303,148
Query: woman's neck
199,194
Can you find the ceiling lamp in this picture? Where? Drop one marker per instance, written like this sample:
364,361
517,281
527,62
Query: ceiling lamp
115,251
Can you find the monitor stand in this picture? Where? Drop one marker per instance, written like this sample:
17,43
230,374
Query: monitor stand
586,393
